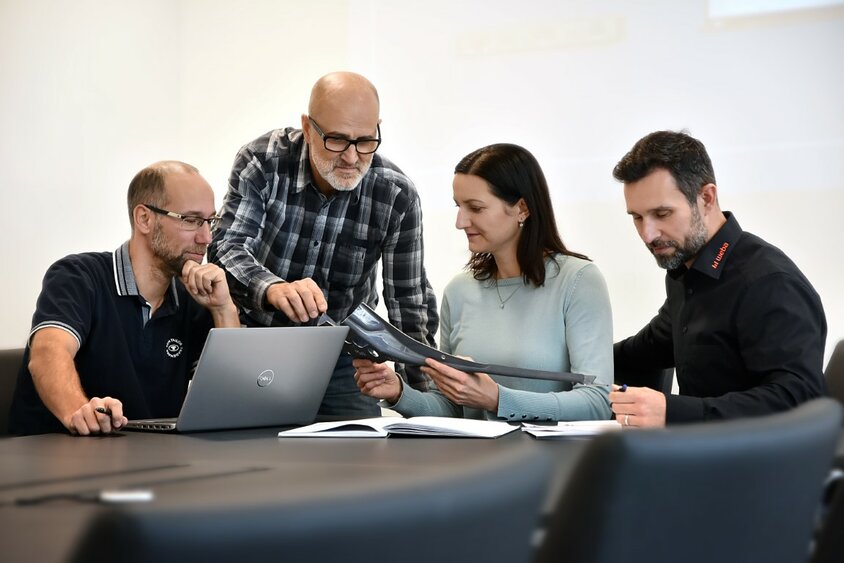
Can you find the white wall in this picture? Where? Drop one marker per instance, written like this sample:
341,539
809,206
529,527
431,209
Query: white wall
94,90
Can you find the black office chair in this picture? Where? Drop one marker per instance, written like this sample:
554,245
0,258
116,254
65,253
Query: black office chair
485,513
10,364
829,546
834,372
666,380
663,378
829,542
736,491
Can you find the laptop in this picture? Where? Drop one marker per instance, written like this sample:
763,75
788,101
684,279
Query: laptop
252,377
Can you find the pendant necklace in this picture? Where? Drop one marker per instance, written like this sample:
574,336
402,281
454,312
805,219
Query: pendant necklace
498,291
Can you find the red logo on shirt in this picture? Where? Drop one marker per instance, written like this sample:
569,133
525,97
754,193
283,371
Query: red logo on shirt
721,251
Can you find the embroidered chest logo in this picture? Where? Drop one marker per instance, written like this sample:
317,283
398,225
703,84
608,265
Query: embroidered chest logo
720,256
174,347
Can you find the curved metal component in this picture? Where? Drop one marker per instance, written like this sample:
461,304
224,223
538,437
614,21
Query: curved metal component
373,338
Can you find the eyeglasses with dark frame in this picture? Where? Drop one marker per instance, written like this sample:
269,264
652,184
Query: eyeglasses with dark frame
186,222
334,143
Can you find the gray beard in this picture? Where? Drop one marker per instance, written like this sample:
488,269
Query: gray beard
694,242
337,184
326,170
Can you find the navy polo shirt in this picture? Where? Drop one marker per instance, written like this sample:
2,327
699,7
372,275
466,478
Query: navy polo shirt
145,362
743,327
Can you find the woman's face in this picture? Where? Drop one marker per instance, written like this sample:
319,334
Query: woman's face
491,225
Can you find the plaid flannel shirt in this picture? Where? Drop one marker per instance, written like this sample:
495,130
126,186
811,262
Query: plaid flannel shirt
277,226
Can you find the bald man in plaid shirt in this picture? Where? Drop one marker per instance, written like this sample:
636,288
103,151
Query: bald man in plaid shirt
308,215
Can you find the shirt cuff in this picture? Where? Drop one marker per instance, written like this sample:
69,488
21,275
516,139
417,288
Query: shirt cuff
387,404
410,402
258,287
681,408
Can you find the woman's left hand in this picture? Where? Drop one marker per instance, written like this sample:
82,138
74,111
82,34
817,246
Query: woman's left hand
476,390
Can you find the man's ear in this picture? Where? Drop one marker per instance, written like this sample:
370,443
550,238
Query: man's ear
142,219
306,127
709,196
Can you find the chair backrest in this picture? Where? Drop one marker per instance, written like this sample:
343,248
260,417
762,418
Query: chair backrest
834,372
10,363
663,378
486,513
666,380
735,491
829,542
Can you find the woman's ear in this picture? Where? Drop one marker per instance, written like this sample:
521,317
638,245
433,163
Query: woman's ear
524,212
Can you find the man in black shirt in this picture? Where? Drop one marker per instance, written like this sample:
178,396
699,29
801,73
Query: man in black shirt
741,325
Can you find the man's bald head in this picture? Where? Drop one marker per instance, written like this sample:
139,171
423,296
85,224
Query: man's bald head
342,89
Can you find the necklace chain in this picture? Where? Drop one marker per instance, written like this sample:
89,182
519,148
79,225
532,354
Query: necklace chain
504,301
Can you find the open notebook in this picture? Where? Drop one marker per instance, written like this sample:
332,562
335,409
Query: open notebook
384,426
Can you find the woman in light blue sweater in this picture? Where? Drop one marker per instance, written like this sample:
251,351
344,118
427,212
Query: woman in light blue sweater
525,300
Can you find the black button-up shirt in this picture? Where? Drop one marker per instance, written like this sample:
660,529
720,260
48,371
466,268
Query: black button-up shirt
743,327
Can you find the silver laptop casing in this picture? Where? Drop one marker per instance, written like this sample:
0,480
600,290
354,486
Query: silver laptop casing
252,377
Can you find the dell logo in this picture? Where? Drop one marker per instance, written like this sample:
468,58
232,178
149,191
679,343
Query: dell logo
265,378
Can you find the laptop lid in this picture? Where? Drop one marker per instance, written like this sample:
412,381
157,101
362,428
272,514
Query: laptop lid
251,377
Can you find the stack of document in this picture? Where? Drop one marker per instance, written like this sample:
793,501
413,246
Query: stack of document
571,428
384,426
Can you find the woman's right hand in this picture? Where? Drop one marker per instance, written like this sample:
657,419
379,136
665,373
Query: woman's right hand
377,380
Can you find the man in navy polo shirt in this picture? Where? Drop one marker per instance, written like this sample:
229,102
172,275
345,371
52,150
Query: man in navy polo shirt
742,326
116,335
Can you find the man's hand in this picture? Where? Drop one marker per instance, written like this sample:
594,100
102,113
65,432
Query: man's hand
377,380
476,390
207,284
93,417
300,300
638,406
51,363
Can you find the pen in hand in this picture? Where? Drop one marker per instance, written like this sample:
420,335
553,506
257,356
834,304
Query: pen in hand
115,423
623,388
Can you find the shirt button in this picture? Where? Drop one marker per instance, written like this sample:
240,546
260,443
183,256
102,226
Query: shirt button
316,243
685,329
512,415
536,418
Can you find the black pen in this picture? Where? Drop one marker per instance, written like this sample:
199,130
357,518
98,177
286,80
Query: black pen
103,410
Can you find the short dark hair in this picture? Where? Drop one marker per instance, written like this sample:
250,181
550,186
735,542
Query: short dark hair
513,173
147,187
682,155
